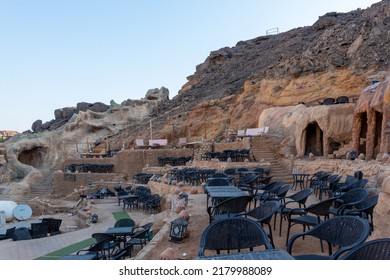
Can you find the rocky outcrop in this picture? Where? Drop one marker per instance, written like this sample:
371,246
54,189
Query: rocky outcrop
27,158
63,115
293,126
157,94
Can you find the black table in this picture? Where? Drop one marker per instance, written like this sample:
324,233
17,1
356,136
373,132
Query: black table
120,232
273,254
123,197
220,193
300,180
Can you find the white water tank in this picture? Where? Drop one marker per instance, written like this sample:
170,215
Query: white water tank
8,207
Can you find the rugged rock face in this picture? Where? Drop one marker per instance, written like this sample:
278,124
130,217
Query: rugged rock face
63,115
296,125
29,159
339,55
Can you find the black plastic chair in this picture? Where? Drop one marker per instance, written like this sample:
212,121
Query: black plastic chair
233,234
262,192
348,200
98,249
309,216
328,101
342,99
298,199
262,171
148,226
218,182
38,230
139,236
279,194
126,222
130,202
263,214
219,175
317,177
344,232
153,203
355,185
327,185
377,249
228,207
21,233
9,234
53,225
364,209
247,183
348,180
111,243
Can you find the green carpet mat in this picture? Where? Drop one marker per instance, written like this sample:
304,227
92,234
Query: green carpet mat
120,215
79,245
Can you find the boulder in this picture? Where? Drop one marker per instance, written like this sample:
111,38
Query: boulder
157,94
36,126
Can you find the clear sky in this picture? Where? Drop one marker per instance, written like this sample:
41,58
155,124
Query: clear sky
54,54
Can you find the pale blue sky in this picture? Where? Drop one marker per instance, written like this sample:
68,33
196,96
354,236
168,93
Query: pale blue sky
54,54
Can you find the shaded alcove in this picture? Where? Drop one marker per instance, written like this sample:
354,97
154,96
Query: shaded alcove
314,140
362,120
33,157
378,132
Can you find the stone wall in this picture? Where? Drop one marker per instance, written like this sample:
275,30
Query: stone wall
126,163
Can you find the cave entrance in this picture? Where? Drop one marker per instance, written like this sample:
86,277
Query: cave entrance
314,140
363,132
378,132
33,157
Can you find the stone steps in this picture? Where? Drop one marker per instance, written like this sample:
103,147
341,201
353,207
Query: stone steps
262,149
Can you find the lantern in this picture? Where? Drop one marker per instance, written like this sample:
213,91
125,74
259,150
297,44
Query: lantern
184,196
178,230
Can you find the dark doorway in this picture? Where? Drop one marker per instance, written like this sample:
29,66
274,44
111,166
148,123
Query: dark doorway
362,133
378,132
314,140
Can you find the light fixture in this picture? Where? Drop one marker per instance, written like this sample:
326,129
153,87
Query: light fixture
178,230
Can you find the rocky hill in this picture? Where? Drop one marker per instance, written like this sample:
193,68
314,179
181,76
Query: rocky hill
339,55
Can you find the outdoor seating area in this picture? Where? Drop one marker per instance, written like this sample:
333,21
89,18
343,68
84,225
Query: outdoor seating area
339,222
116,243
138,197
33,230
173,161
239,201
142,178
88,167
225,155
331,101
